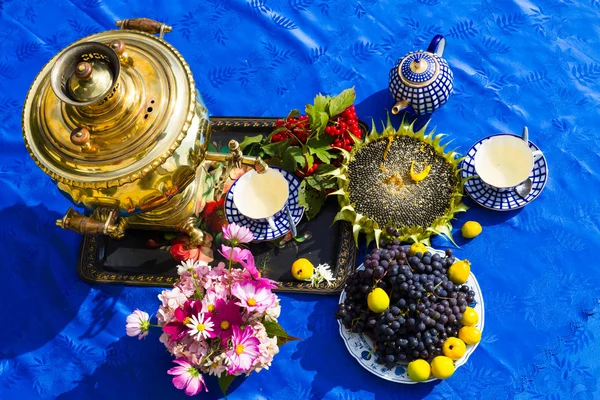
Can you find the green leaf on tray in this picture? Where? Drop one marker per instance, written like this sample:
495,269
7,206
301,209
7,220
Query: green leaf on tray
321,183
225,381
323,141
249,140
292,156
311,199
254,149
342,101
275,330
324,169
293,114
276,149
323,155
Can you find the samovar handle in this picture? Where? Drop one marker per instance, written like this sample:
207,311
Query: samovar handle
145,25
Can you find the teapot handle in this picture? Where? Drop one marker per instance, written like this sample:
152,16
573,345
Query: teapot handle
437,45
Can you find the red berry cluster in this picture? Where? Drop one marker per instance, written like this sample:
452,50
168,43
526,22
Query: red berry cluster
342,128
296,128
306,171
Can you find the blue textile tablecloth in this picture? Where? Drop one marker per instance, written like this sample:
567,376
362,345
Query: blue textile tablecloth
515,63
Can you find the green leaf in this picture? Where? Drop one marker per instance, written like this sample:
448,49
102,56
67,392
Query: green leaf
275,330
323,141
321,103
321,183
293,114
225,381
254,149
324,169
342,101
170,236
317,119
291,157
312,200
219,239
249,140
276,149
323,155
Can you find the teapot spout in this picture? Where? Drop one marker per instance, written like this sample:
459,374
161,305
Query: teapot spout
399,106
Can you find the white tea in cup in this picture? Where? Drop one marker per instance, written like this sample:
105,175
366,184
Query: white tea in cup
504,161
261,196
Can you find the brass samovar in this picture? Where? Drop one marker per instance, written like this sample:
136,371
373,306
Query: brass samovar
116,121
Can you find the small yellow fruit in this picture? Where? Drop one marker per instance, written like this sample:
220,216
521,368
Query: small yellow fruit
459,272
378,300
469,317
302,269
454,348
419,176
471,229
419,370
417,247
442,367
469,334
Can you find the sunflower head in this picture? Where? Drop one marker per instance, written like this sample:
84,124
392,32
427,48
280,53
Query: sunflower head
401,179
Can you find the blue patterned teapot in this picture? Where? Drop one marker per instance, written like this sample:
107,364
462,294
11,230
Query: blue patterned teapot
422,80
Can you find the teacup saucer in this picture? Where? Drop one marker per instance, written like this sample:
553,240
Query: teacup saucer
494,199
259,228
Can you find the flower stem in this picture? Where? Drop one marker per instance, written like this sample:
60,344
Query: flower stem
229,272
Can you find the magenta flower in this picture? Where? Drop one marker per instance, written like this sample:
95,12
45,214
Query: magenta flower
237,234
138,323
253,296
178,329
187,377
227,316
235,254
245,350
251,268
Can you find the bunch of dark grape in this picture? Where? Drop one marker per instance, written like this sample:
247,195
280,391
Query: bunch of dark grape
425,306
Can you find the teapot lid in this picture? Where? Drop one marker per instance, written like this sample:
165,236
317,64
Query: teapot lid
418,69
109,109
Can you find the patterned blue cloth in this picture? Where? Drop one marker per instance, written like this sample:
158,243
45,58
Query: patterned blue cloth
515,63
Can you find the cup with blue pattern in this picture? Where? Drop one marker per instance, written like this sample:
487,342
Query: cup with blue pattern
504,161
261,196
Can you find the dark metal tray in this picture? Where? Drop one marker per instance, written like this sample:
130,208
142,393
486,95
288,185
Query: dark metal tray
130,261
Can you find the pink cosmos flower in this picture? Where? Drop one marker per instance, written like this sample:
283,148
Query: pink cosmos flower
178,328
138,323
236,254
251,268
172,298
201,326
237,234
252,296
187,377
244,351
226,317
210,301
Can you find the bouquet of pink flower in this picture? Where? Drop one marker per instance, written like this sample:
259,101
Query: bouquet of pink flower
218,320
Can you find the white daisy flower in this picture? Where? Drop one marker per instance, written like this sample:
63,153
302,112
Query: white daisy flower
187,266
201,327
322,274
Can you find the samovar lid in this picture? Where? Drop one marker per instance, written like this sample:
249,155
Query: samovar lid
109,109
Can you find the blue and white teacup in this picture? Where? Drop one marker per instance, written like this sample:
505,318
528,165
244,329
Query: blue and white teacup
504,161
261,196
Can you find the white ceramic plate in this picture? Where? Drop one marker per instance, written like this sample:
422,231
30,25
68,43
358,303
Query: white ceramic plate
360,345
